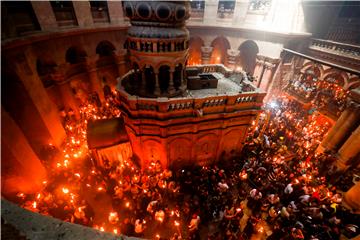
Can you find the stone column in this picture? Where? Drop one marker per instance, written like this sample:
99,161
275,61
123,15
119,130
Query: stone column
240,11
121,57
83,13
210,14
343,127
352,196
94,78
206,54
22,170
45,15
264,67
349,149
274,67
115,12
143,81
40,106
231,58
157,85
66,92
183,80
171,88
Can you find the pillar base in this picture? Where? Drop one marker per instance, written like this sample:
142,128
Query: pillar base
351,198
171,90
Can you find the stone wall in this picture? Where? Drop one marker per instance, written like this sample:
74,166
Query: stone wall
36,226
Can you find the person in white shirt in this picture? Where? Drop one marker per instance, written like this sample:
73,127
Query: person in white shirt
194,223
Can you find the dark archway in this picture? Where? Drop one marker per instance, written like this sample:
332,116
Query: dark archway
164,77
75,55
178,76
105,49
247,57
150,79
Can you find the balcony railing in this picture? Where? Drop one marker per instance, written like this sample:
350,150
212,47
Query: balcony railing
164,108
336,48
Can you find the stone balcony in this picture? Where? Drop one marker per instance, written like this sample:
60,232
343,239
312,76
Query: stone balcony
229,96
340,53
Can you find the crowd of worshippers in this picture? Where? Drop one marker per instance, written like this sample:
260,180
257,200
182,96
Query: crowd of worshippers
267,191
303,85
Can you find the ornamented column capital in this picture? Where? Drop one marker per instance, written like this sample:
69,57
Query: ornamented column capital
206,50
231,57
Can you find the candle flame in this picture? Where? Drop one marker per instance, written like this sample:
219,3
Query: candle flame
65,190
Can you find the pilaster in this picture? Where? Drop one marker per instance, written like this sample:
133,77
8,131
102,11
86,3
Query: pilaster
206,54
115,12
67,96
91,65
349,149
120,58
44,110
22,170
83,13
346,123
352,196
45,15
231,57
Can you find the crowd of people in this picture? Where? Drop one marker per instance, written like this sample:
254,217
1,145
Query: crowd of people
279,188
303,85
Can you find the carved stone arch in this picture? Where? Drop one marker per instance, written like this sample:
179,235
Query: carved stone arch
341,76
105,49
220,46
195,44
75,54
179,152
153,151
248,51
164,63
206,148
317,68
164,72
146,64
231,148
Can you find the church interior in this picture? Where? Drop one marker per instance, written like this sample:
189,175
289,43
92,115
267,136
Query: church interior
210,119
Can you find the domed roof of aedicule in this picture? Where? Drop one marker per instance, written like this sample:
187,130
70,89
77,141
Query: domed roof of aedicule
165,13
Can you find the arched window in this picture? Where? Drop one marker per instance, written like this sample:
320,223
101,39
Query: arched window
247,57
75,55
105,49
220,46
178,76
195,50
164,77
150,79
